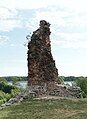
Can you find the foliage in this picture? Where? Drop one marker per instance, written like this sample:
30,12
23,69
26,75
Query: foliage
2,79
24,78
16,78
7,91
15,91
70,78
47,109
5,87
61,78
82,83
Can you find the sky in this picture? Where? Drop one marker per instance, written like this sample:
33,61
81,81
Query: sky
68,19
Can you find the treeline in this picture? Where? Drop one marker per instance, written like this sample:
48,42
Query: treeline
25,78
15,78
70,78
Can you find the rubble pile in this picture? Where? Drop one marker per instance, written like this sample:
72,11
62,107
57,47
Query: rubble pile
45,91
55,89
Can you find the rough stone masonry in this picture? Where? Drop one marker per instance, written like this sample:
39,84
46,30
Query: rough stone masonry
41,66
42,72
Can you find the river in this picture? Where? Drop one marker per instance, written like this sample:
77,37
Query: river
19,84
23,84
69,82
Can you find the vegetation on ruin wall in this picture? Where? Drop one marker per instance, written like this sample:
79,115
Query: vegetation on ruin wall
47,109
7,91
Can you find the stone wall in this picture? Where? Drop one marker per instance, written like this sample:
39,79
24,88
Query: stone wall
41,66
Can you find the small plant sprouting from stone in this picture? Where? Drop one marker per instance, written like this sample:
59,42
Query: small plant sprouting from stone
28,38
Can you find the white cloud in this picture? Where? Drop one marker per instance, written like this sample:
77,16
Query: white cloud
6,13
65,19
9,19
26,4
10,24
67,14
14,71
77,5
74,22
68,20
3,39
64,16
71,40
70,69
78,20
54,16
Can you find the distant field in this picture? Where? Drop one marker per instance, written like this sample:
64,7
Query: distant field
47,109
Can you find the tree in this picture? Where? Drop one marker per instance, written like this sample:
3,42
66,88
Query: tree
82,83
61,78
3,80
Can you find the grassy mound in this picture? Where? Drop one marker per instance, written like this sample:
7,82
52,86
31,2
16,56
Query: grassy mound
47,109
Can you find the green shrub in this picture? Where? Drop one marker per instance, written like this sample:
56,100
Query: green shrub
3,80
7,92
82,83
7,96
7,88
1,102
2,94
15,92
61,79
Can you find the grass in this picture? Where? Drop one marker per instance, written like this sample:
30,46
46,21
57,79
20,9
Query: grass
47,109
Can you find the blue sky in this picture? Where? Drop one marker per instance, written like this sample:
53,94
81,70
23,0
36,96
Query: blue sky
68,19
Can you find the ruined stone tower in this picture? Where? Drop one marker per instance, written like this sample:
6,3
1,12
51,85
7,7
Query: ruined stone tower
41,66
